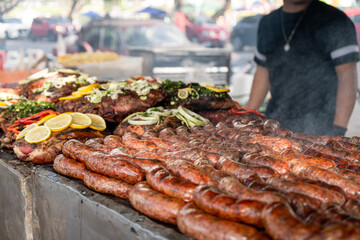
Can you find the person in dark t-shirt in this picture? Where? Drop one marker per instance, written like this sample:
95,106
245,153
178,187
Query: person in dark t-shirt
306,56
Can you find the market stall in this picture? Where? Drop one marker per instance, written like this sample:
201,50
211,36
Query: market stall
152,159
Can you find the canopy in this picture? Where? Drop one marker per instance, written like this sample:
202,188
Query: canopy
154,12
91,14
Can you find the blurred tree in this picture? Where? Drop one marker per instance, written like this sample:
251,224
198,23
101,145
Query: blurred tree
75,6
8,5
222,10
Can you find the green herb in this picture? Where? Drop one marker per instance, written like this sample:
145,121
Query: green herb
172,86
27,108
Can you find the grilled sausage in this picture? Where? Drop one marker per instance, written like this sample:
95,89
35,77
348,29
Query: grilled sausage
351,189
323,194
77,150
234,188
113,141
145,164
329,150
132,140
348,174
208,168
290,154
280,222
98,145
154,204
69,167
243,171
189,171
278,165
352,206
337,231
199,225
210,200
163,181
103,184
114,167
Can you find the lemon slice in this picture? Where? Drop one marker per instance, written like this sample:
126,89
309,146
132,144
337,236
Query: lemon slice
59,122
217,89
80,120
44,119
88,88
71,97
26,130
183,93
97,122
38,134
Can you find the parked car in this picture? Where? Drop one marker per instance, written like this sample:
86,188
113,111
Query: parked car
244,32
206,32
166,51
50,28
14,28
119,35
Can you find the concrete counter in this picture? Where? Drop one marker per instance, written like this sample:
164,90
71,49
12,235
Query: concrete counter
38,203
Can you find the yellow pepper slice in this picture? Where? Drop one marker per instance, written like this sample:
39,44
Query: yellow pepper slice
71,97
217,89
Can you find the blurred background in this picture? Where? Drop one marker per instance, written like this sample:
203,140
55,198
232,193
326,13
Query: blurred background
203,41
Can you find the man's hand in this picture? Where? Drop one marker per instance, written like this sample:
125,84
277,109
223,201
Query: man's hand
260,87
346,93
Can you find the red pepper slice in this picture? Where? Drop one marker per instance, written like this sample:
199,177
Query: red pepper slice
27,122
239,109
37,115
13,128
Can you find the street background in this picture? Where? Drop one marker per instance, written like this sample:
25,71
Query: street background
224,13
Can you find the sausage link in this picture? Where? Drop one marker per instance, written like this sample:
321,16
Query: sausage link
278,165
98,146
103,184
69,167
230,185
290,154
280,222
113,141
207,167
351,189
337,231
210,200
189,171
199,225
145,164
163,181
77,150
152,155
320,193
132,140
348,174
114,167
161,143
352,206
154,204
330,150
243,171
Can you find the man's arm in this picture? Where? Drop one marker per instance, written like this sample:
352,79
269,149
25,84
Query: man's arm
260,87
346,93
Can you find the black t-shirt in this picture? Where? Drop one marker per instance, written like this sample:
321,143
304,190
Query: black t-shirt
303,80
